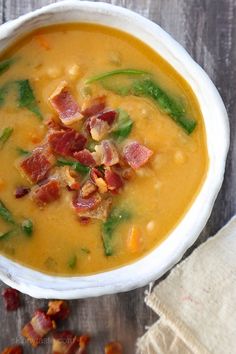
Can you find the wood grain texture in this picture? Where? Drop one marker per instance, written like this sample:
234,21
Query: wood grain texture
207,29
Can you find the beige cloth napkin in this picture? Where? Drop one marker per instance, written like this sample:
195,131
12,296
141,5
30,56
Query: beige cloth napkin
197,302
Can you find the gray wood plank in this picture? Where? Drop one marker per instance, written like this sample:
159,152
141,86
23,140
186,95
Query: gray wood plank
207,29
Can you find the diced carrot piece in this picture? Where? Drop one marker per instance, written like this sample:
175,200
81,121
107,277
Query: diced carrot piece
35,138
43,41
134,240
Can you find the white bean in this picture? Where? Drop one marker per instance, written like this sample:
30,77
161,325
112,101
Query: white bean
179,157
73,71
151,225
53,72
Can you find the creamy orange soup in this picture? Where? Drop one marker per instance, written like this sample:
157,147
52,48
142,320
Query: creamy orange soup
96,169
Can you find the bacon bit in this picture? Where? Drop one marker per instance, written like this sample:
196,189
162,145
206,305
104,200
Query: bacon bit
100,213
91,108
88,189
36,167
95,173
53,124
110,154
101,184
84,220
21,191
65,105
97,178
37,328
113,348
85,204
13,350
85,157
108,116
113,180
97,155
134,240
43,41
98,128
64,343
69,180
66,143
127,173
136,154
67,343
58,309
47,192
84,341
11,299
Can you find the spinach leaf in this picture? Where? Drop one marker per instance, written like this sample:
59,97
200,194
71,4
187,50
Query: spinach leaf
121,89
146,87
77,166
6,235
27,227
176,111
22,152
5,214
116,217
3,92
6,64
107,74
85,250
72,262
26,98
124,125
5,135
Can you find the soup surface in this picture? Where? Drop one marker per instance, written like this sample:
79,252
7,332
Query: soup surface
96,168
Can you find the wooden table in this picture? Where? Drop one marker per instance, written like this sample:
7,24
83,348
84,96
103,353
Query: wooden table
207,29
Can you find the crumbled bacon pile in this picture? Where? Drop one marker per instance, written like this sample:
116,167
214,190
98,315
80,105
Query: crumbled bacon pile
69,137
42,323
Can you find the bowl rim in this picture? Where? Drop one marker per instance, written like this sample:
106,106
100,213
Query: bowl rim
170,251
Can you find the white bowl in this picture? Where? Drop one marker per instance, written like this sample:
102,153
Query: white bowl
163,257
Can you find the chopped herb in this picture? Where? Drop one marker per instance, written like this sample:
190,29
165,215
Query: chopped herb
176,111
22,152
5,135
77,166
124,125
5,214
27,227
101,169
86,91
51,264
91,146
6,64
3,92
85,250
72,262
115,218
6,235
26,98
114,73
